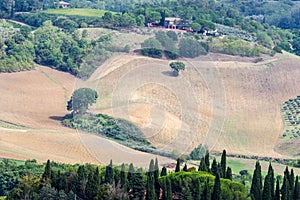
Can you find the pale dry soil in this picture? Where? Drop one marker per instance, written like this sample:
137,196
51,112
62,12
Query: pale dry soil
232,105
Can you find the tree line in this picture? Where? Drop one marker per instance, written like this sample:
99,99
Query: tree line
31,180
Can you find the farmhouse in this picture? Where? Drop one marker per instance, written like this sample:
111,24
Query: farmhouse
176,23
63,4
172,22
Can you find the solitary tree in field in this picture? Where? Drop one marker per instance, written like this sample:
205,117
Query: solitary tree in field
81,99
176,67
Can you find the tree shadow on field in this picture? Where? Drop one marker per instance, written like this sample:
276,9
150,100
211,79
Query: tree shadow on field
57,118
168,73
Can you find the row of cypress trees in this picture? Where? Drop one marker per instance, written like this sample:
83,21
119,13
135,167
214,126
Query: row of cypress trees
268,191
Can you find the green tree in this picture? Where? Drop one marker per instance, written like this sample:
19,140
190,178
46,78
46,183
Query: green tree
197,189
163,171
47,172
152,48
216,195
296,189
178,163
206,191
176,67
277,191
81,181
138,184
223,163
156,176
285,189
81,99
267,195
214,167
185,168
202,165
256,186
206,160
169,189
109,173
190,48
196,27
228,173
199,153
123,180
150,192
172,35
130,177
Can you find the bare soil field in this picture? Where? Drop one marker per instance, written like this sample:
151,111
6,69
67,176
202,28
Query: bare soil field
237,102
232,105
36,100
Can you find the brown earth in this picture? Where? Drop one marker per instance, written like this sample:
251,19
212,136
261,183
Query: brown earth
223,104
37,100
237,102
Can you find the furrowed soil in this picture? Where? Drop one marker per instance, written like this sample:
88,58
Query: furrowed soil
224,104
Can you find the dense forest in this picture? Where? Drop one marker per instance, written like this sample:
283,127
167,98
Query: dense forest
30,180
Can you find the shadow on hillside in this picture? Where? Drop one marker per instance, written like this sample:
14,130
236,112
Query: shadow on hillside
57,118
168,73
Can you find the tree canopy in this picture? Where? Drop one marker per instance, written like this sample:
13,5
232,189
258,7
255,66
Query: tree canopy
81,99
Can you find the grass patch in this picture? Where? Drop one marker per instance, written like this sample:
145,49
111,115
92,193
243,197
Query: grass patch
9,125
78,12
235,165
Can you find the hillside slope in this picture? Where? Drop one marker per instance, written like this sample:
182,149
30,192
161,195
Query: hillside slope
32,104
223,104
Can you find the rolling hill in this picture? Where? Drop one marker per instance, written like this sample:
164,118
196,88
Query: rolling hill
217,101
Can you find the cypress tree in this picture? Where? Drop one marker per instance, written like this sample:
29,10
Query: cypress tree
47,172
163,171
206,191
272,180
296,190
214,167
150,192
109,174
130,177
216,195
81,182
164,189
177,169
185,168
93,184
206,160
186,192
292,181
256,186
285,189
169,189
123,177
202,165
287,173
229,173
156,176
277,191
89,187
223,164
267,188
138,185
197,189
